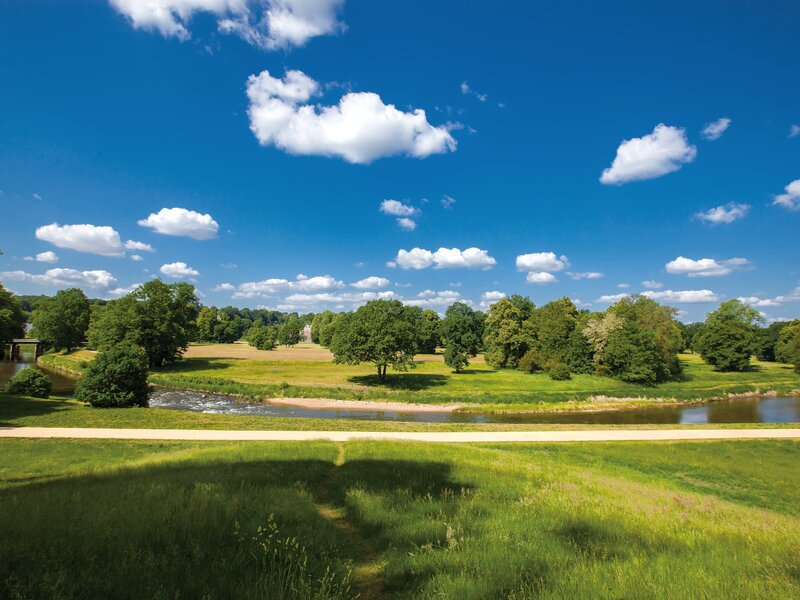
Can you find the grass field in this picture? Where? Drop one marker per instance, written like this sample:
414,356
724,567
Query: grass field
391,520
306,371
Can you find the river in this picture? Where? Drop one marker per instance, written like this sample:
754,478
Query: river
740,410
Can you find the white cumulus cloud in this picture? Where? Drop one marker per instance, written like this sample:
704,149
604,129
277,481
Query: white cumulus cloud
490,297
64,278
585,275
714,130
542,261
650,156
359,129
268,24
178,269
444,258
726,213
790,199
705,267
684,296
270,287
406,224
435,299
371,283
102,240
224,287
45,257
139,246
651,284
611,298
398,209
183,223
540,277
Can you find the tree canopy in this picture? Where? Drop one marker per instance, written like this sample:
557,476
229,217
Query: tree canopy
383,332
788,347
461,333
12,317
62,321
728,339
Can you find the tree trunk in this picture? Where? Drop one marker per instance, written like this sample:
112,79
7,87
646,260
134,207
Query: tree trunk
384,373
380,375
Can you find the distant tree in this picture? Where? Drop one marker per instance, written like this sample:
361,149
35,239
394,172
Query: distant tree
263,337
160,318
597,331
319,321
430,336
557,328
766,338
116,378
291,332
30,382
787,350
461,332
383,332
206,321
328,330
12,318
691,335
506,336
62,321
728,340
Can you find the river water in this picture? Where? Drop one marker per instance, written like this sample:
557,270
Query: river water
743,410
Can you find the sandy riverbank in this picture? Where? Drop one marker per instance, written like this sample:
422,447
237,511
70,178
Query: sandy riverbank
370,405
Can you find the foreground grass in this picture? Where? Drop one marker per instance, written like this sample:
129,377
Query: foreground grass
223,369
24,411
391,520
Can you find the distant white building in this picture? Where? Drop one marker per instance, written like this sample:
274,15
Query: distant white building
307,333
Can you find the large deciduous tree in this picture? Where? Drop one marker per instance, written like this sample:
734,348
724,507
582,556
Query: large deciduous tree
160,318
507,335
430,335
62,321
728,339
787,349
12,318
461,332
383,332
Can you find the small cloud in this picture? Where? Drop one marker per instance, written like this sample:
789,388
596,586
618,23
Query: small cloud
182,223
794,131
230,266
47,257
540,277
726,213
623,286
371,283
705,267
139,246
406,224
791,199
36,196
443,258
586,275
224,287
652,285
396,208
177,270
448,201
136,257
714,130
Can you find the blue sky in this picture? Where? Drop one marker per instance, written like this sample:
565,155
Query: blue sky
280,127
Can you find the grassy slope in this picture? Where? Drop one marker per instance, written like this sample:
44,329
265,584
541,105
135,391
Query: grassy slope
633,520
233,369
19,411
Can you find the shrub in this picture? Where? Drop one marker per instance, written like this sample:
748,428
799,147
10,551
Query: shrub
30,382
531,361
117,378
558,371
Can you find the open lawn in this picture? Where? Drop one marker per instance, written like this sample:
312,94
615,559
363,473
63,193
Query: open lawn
399,520
306,371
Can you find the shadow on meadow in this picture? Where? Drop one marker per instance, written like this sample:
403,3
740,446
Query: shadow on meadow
16,407
402,381
193,529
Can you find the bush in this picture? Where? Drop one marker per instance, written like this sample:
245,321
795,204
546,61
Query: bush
531,361
30,382
117,378
558,371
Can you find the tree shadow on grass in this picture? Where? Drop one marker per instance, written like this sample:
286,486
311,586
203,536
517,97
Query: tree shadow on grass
15,407
182,519
190,365
401,381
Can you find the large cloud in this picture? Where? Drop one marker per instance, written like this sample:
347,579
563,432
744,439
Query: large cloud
541,266
360,129
269,24
726,213
653,155
791,199
102,240
65,278
443,258
182,222
705,267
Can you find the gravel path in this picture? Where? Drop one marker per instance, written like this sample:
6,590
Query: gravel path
595,435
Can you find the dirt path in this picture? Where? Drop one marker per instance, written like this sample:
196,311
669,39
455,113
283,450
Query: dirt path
594,435
327,403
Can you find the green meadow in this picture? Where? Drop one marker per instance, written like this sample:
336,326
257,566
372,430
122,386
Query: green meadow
399,520
239,370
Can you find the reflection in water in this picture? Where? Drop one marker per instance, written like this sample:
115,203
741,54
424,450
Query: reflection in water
745,410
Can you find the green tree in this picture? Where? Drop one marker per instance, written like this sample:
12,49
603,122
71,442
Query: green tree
767,339
12,318
728,340
320,320
461,332
291,332
116,378
263,337
691,335
62,321
787,350
507,336
327,330
430,336
160,318
383,332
